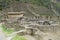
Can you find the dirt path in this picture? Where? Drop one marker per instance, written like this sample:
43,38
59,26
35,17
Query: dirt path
32,11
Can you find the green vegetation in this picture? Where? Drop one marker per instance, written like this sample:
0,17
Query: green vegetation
45,3
17,0
9,31
18,38
41,2
1,7
58,4
57,7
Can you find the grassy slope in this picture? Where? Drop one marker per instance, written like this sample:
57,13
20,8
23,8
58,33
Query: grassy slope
18,6
18,38
41,10
9,31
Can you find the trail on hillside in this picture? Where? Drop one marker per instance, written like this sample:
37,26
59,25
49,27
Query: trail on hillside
32,11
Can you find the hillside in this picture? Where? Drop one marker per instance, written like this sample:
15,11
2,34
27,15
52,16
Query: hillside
16,6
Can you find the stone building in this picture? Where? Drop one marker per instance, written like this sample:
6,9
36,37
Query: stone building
13,16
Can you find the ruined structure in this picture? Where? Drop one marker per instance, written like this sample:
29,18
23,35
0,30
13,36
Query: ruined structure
37,21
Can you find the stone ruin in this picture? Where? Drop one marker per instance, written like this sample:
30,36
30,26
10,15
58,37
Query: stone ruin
36,27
